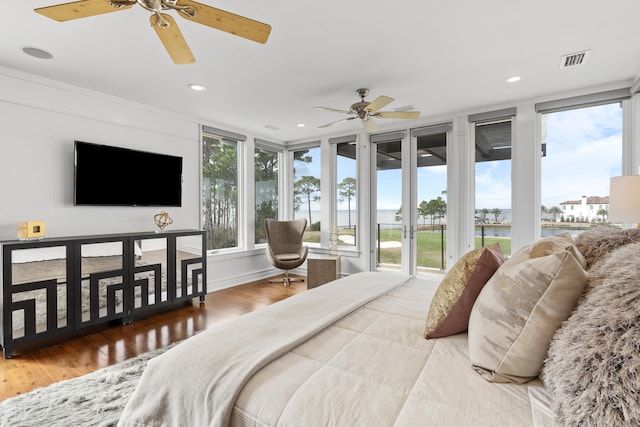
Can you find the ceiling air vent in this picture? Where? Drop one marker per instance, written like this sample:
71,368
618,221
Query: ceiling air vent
574,59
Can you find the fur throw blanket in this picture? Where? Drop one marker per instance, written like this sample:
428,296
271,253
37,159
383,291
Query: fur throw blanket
593,364
596,245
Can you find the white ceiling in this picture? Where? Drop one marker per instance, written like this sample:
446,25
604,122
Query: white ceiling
439,57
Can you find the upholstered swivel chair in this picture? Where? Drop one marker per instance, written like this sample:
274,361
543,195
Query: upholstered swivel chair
284,246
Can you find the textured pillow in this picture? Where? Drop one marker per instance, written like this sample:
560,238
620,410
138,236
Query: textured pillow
521,307
593,368
451,305
597,244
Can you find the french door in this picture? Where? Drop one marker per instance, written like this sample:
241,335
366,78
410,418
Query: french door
409,203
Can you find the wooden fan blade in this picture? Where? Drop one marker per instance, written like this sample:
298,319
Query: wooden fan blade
172,39
333,110
337,121
227,21
378,103
79,9
398,114
370,125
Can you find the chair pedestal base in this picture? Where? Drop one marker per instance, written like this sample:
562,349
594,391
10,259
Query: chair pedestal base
286,280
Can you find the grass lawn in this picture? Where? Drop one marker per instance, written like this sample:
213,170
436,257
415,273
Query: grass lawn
429,244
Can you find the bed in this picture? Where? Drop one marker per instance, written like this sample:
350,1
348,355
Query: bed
366,363
353,352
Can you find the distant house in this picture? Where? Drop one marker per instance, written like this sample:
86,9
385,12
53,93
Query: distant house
587,209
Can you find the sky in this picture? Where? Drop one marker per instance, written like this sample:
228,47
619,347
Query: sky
584,150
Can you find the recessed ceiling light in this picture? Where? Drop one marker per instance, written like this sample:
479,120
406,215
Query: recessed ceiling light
37,53
301,125
512,79
197,87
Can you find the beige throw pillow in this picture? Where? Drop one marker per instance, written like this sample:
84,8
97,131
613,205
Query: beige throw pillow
521,307
451,305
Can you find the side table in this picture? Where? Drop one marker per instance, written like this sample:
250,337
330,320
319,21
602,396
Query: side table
322,270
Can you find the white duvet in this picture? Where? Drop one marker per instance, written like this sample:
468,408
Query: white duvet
349,353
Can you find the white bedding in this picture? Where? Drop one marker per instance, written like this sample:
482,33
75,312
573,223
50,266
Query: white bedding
370,366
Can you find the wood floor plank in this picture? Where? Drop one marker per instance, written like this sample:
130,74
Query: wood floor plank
40,367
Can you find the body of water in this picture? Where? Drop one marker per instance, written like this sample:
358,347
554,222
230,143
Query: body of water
387,219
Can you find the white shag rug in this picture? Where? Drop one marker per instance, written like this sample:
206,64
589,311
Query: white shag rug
95,399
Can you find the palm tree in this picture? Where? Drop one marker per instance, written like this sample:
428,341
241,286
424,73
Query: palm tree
484,212
603,213
496,213
554,211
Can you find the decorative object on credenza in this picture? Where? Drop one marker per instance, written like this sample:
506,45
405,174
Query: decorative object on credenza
624,199
28,230
333,240
162,220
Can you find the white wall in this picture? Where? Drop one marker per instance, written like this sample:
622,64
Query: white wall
40,122
40,119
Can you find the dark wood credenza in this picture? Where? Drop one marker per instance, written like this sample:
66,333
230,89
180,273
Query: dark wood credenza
57,286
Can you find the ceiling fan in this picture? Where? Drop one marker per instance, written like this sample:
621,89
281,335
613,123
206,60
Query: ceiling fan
366,111
164,25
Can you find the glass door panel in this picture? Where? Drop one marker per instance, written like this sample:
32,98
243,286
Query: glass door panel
388,218
411,207
431,202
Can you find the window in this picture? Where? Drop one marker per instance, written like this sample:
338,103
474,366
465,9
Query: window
306,190
346,190
492,133
583,149
220,187
266,190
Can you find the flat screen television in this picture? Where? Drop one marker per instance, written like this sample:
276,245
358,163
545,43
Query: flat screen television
115,176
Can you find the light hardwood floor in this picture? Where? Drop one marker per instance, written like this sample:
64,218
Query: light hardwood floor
40,367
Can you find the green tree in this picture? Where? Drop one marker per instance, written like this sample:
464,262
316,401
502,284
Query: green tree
398,217
220,193
437,208
266,191
306,189
423,211
347,190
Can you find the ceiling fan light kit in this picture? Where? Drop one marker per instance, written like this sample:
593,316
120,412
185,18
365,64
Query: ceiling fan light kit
366,111
164,25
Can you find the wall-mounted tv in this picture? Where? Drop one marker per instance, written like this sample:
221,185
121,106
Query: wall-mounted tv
115,176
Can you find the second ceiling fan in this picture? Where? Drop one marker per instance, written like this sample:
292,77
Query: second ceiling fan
366,111
164,24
